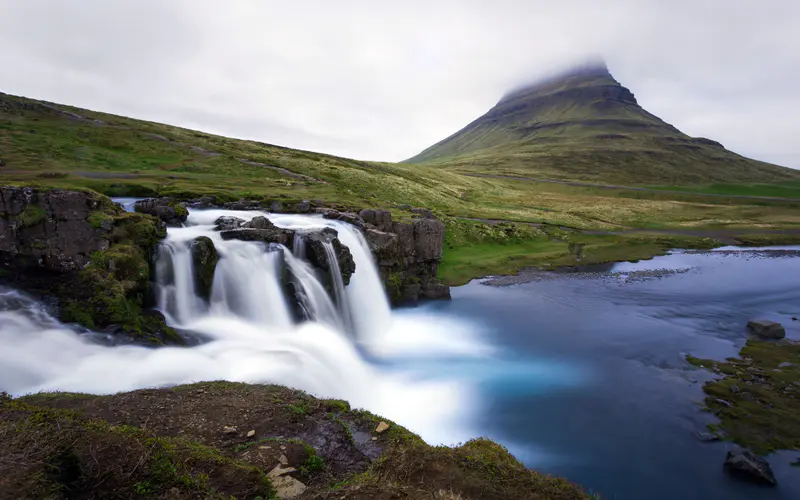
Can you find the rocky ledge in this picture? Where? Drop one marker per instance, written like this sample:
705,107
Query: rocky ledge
223,440
407,253
86,252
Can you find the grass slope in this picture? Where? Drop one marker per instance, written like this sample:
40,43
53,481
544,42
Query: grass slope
585,125
56,146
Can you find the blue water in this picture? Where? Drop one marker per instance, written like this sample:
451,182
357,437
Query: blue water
590,380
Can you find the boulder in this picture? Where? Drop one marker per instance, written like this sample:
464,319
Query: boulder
204,263
767,329
428,239
745,465
348,217
202,203
227,222
172,212
259,222
315,242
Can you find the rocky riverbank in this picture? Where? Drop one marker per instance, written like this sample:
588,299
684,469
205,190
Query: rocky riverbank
84,251
226,440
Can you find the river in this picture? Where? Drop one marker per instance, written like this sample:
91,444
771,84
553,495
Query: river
579,374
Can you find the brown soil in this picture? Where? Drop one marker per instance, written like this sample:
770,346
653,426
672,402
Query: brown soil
61,445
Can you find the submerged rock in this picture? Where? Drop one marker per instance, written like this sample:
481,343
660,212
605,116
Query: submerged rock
204,263
169,210
767,329
744,464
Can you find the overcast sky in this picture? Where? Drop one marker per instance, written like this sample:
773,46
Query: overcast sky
382,80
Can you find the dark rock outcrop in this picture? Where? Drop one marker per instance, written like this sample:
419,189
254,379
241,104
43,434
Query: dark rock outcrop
88,254
260,229
348,217
53,230
767,329
407,255
316,254
204,263
744,464
169,210
226,223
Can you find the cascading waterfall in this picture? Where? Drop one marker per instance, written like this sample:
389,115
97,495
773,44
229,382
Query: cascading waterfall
249,334
247,280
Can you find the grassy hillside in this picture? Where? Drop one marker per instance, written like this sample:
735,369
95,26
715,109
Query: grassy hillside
585,125
59,146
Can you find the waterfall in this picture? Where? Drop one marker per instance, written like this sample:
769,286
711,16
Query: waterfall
248,281
250,334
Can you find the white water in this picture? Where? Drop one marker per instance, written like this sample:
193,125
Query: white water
252,338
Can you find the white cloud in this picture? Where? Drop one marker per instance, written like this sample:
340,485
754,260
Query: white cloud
383,80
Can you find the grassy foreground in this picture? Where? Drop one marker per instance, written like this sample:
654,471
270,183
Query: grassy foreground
223,440
56,146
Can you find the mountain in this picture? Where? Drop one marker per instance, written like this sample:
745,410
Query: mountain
585,125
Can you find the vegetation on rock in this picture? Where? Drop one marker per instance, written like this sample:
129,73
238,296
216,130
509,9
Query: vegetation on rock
757,397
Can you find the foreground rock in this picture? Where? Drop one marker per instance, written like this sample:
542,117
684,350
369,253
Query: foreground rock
767,329
169,210
87,253
745,465
171,443
315,252
204,263
407,255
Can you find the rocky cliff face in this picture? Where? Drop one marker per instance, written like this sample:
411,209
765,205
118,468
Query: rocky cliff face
407,253
83,250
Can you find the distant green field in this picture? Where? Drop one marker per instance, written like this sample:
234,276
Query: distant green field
786,189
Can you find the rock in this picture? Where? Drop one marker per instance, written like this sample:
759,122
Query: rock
241,205
706,436
374,438
382,427
348,217
746,465
260,230
785,364
204,263
51,230
203,202
749,397
227,222
259,222
767,329
379,219
428,239
723,402
286,487
229,431
794,318
304,207
251,433
734,389
172,212
283,460
316,241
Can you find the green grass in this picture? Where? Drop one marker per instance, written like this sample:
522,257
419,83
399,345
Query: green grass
757,400
126,157
786,189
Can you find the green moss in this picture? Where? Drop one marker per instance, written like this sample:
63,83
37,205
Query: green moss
97,218
757,398
31,215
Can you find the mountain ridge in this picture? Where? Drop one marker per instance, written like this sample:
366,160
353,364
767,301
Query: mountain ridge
584,124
